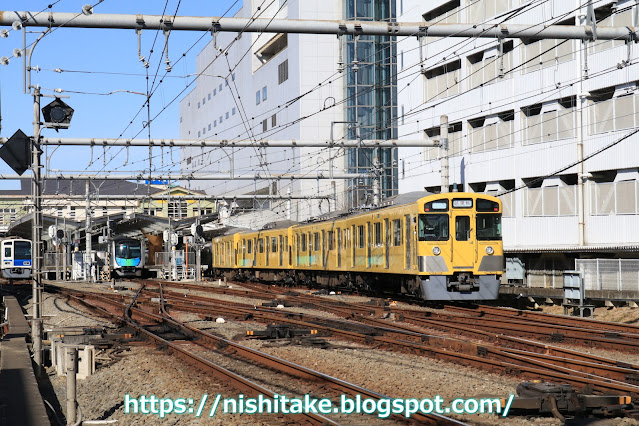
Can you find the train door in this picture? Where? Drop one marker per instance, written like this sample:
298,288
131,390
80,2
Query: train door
370,243
354,241
408,244
324,251
339,247
268,249
463,244
309,237
281,250
387,243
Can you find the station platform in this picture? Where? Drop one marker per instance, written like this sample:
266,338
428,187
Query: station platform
20,399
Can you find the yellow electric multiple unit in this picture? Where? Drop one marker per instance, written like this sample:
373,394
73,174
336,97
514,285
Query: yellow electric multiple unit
437,247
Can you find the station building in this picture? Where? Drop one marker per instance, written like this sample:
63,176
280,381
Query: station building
261,86
66,200
514,125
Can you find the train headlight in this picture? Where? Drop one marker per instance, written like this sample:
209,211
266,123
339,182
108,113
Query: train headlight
489,250
436,251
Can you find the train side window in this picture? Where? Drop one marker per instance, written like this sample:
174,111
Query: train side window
378,234
331,240
360,231
462,228
260,245
286,243
303,242
250,246
274,244
397,232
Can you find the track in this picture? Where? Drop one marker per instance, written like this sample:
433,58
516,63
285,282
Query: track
508,355
195,347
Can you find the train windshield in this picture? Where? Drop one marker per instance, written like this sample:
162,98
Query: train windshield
128,250
22,250
433,227
488,227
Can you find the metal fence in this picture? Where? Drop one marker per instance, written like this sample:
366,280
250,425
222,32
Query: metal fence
609,274
545,278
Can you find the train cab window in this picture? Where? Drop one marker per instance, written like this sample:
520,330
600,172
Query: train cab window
488,227
7,251
462,228
360,232
433,227
378,234
303,244
316,241
397,232
274,244
487,205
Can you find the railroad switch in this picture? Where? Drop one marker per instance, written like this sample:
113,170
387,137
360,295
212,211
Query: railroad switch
279,331
562,400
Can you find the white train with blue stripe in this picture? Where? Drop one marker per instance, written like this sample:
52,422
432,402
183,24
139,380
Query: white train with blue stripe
16,258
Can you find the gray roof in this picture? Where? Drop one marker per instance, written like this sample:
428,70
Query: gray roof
70,187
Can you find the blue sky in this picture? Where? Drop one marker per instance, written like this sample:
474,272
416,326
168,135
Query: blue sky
108,61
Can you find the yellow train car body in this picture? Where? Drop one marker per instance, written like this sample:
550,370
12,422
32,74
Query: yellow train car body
438,247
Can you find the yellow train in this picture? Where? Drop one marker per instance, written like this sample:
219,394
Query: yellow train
436,247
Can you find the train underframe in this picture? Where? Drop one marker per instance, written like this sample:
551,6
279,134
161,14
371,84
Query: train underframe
460,286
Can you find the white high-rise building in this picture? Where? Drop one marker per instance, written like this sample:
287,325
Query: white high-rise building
303,87
259,87
514,111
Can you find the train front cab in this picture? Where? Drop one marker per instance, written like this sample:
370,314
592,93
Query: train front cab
460,254
16,258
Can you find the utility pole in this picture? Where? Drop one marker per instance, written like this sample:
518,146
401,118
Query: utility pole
87,232
443,153
36,230
581,17
376,184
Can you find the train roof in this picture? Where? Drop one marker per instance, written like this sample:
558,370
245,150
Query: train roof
398,200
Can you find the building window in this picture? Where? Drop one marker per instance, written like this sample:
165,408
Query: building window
203,101
264,125
549,121
220,87
257,97
443,81
209,126
282,72
198,134
214,92
447,13
274,120
198,105
233,76
227,115
209,96
72,212
233,111
180,119
272,47
264,93
491,132
485,67
612,109
204,130
221,119
105,211
215,123
454,141
177,209
188,160
60,211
